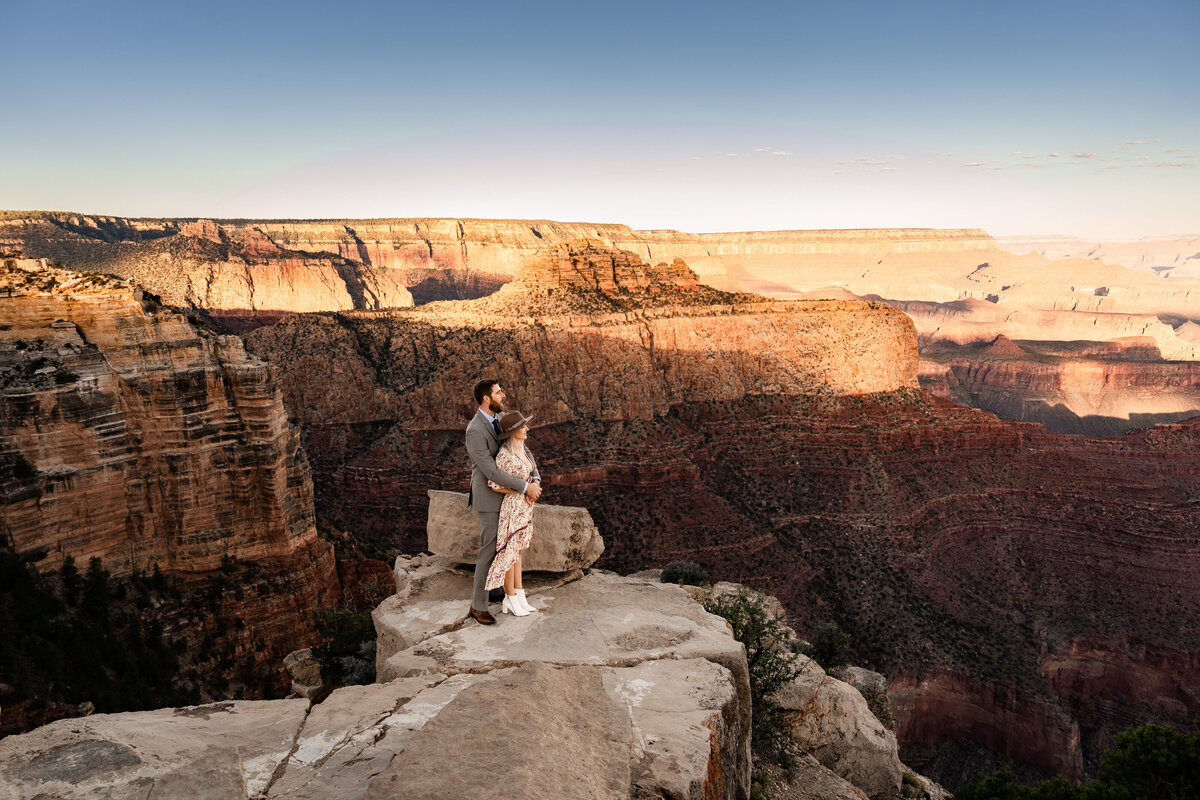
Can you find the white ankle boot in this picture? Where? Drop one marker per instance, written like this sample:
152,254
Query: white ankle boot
512,605
520,595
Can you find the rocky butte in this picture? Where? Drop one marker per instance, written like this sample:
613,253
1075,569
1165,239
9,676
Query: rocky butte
130,434
1025,593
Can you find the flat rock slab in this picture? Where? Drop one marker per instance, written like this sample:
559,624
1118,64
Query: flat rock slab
601,619
564,537
221,750
544,732
432,597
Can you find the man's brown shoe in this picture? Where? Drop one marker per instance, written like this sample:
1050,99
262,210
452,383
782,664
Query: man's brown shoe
482,617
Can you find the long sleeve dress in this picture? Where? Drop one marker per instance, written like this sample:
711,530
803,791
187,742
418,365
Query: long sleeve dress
516,519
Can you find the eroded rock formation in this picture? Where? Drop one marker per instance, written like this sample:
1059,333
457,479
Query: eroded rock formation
132,435
786,445
235,272
1070,387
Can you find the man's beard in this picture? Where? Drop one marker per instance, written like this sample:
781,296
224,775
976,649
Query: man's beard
497,406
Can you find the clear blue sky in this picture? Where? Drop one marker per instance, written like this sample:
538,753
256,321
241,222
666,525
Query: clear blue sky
1019,117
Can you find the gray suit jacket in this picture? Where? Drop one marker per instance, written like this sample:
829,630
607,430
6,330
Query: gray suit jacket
482,447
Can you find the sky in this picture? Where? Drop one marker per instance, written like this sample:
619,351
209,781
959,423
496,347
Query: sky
1022,118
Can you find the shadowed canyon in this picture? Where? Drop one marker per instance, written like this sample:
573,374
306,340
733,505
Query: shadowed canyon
1027,593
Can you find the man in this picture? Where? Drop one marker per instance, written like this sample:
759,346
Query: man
483,443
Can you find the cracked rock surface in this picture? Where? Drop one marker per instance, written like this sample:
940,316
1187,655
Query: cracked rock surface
617,688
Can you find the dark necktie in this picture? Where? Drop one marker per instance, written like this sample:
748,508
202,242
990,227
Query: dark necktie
496,426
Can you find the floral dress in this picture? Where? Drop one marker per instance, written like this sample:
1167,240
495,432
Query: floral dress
516,519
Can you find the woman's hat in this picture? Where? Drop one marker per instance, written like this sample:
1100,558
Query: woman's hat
511,422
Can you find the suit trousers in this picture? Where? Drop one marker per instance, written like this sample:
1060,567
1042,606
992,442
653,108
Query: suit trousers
489,527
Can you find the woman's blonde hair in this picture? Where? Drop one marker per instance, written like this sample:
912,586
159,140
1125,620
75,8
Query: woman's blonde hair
510,444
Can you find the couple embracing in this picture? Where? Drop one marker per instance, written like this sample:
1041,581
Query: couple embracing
504,486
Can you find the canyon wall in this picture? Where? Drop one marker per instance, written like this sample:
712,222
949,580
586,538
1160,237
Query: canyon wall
1070,387
235,272
786,445
1168,256
130,434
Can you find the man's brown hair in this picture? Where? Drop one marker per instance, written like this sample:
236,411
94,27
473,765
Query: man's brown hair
483,389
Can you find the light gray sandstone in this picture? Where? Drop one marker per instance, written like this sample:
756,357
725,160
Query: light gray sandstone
564,537
865,680
811,781
305,670
832,722
660,709
432,597
221,750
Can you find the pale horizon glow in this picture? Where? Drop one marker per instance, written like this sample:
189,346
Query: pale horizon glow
1019,120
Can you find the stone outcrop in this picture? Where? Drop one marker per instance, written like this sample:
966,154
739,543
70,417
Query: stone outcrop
654,703
1070,387
566,538
138,437
130,434
832,722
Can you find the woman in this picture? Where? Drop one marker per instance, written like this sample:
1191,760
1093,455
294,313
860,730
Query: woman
516,514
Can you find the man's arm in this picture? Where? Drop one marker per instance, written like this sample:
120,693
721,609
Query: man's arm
536,477
477,449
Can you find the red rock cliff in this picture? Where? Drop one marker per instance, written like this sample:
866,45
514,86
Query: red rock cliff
130,434
785,445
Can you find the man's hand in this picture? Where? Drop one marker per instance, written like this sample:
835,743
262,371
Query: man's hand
533,492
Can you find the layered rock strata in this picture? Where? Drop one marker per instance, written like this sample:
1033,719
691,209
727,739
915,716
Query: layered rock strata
453,259
235,272
131,435
960,286
1070,387
595,357
786,445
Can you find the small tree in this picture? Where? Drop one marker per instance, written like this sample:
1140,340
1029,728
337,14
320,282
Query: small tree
684,573
772,666
68,573
348,655
829,646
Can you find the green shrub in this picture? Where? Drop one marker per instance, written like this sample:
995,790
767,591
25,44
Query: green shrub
881,707
684,573
348,655
829,646
910,787
772,666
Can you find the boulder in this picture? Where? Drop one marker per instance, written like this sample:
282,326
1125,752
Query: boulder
305,670
564,537
831,720
866,681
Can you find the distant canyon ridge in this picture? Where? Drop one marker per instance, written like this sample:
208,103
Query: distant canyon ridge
1010,326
